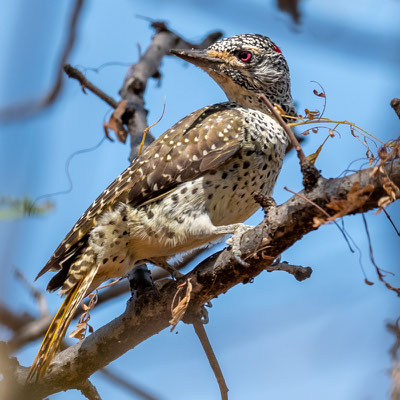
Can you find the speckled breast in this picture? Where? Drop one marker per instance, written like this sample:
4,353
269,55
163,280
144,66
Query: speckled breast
231,188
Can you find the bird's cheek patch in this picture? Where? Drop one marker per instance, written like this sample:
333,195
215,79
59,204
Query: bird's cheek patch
222,55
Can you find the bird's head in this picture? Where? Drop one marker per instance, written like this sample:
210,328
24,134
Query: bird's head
245,66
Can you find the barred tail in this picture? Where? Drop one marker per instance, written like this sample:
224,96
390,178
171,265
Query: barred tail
59,325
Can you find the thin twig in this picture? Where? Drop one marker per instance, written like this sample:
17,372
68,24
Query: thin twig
286,128
12,320
202,335
381,276
310,173
299,272
127,385
29,108
86,84
391,221
35,293
325,213
89,390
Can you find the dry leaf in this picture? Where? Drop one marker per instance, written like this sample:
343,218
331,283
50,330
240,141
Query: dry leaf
318,221
390,188
355,199
179,311
313,157
319,94
115,123
83,323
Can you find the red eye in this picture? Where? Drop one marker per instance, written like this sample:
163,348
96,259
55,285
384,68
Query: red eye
276,48
244,56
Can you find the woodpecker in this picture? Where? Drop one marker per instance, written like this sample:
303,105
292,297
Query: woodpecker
194,184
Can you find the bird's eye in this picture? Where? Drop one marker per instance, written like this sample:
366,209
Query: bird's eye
276,48
245,56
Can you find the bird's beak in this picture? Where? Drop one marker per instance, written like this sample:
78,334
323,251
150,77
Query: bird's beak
200,58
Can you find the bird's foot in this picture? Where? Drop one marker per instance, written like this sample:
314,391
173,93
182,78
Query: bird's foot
235,240
140,281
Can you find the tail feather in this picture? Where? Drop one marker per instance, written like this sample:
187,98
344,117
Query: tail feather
59,325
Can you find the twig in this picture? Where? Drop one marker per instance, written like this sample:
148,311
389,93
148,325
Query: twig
310,173
29,332
86,84
291,7
128,385
89,390
325,213
36,294
202,335
286,128
13,321
381,276
391,221
30,108
299,272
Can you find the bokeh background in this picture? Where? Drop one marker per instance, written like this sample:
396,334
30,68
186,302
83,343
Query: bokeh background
276,338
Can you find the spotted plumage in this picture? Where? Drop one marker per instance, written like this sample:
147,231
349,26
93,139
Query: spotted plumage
192,185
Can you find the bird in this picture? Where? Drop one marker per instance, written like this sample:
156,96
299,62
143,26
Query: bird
193,185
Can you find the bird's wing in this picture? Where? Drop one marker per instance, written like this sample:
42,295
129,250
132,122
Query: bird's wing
199,142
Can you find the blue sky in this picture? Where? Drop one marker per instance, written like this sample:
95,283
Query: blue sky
276,338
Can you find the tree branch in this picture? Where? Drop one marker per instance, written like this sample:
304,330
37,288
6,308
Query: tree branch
202,335
150,313
86,84
134,86
89,390
30,108
126,384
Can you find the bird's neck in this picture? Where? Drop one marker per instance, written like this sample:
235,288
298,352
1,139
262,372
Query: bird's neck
252,100
278,93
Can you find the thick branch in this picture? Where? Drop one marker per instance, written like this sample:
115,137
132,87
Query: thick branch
150,313
27,328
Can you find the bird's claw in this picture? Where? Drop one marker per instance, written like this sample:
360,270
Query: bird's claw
235,240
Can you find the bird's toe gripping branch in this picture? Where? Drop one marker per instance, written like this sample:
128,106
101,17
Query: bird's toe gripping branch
234,241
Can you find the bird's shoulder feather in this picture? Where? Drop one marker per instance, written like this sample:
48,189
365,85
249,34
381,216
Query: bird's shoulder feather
199,142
